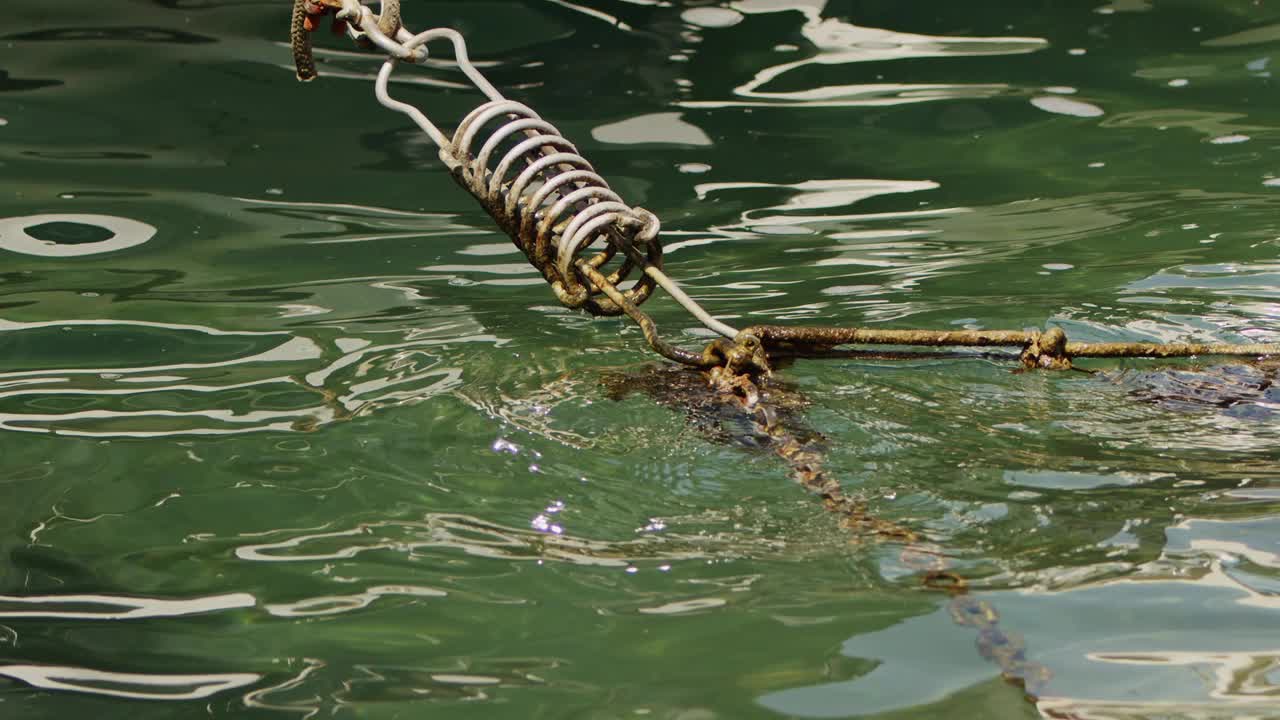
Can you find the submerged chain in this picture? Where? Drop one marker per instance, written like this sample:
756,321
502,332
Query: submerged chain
1004,649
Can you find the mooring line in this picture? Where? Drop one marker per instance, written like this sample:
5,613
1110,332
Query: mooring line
558,210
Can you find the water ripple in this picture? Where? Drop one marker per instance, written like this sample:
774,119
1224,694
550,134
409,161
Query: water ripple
336,604
137,686
840,43
16,234
481,538
77,607
270,381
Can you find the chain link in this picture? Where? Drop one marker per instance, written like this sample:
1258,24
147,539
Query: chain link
1005,650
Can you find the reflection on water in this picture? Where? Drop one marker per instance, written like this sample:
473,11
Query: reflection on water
1145,644
124,377
127,685
16,234
334,604
301,434
275,383
838,43
479,538
1241,391
114,608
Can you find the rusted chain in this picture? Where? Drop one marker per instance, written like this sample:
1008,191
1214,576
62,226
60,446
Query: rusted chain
306,18
300,28
1004,649
742,392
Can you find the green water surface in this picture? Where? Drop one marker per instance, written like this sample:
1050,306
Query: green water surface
289,429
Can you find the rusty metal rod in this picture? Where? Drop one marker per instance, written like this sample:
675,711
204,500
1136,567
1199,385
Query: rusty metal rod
833,336
829,337
1159,350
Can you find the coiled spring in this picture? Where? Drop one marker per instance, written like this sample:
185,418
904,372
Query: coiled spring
552,203
542,192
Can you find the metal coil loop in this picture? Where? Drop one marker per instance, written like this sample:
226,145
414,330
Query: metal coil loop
552,203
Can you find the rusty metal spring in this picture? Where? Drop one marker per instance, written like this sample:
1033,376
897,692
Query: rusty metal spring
552,203
542,192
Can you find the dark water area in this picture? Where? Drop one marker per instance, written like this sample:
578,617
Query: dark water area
289,429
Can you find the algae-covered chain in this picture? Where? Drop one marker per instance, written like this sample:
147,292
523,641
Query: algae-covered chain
766,410
555,207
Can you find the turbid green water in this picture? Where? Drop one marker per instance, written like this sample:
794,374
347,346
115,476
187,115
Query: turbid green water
288,430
